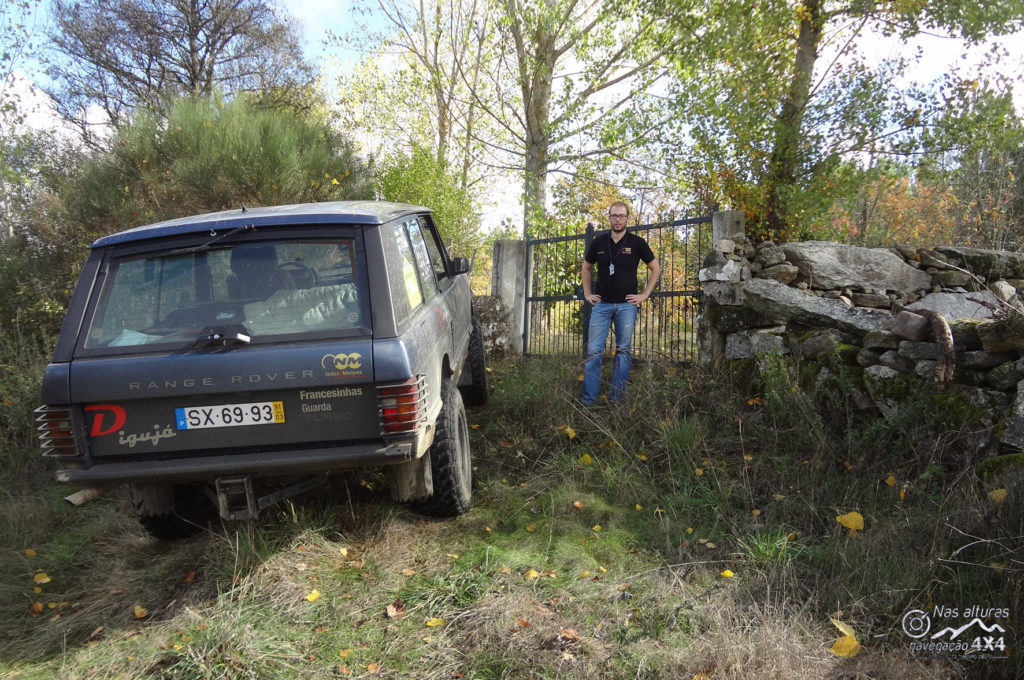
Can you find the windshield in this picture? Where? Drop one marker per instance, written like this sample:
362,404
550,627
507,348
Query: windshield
259,289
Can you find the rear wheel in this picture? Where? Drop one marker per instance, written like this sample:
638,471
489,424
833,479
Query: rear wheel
171,511
475,393
450,464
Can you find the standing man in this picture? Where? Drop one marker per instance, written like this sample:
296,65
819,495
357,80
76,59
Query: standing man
617,255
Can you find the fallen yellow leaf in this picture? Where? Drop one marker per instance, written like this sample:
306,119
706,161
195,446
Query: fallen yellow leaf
845,646
343,551
345,653
408,572
41,577
373,668
778,497
140,612
30,553
844,628
313,596
727,573
433,622
569,432
755,512
853,521
698,471
586,459
596,528
584,574
639,507
531,574
344,670
531,528
890,480
997,495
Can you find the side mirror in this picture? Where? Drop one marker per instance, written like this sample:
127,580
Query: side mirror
460,265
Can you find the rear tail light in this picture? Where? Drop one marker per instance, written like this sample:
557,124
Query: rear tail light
56,432
401,406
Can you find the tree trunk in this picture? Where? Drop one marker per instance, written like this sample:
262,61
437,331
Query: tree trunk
781,179
537,103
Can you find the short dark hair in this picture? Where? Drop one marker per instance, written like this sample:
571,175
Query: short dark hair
622,203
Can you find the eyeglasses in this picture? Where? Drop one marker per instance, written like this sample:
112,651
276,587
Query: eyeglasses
619,217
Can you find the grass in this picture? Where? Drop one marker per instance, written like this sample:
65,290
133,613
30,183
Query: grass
594,548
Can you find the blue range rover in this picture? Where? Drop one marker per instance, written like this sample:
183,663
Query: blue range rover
227,361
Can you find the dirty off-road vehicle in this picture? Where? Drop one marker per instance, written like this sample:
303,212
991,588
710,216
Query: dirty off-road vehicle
236,359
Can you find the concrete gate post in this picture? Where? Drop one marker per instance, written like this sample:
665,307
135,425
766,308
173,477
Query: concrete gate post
508,284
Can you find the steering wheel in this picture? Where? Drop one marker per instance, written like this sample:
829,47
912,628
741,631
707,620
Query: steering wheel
296,275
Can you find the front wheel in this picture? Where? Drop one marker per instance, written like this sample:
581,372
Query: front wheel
450,464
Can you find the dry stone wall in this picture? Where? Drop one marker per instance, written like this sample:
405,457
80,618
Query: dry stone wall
948,315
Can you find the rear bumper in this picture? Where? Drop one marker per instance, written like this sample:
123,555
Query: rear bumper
263,464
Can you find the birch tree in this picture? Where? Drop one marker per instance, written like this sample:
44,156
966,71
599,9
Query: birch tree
583,73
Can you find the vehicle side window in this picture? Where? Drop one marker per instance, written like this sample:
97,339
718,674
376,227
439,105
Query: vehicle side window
410,272
432,241
419,248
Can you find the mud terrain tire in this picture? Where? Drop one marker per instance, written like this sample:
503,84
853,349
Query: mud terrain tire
475,393
450,464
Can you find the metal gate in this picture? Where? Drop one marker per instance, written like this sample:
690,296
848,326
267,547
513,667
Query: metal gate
557,317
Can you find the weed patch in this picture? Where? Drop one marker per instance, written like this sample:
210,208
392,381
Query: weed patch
690,530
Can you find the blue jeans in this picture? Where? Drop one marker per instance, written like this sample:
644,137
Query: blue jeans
602,317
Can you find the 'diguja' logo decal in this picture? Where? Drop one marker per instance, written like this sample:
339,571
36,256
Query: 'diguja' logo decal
102,412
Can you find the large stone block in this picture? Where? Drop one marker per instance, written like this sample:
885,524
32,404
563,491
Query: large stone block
1002,335
783,273
753,343
816,343
979,305
1013,430
881,339
990,264
827,265
910,326
784,303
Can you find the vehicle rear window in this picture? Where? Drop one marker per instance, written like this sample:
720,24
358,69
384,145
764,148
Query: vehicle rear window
264,289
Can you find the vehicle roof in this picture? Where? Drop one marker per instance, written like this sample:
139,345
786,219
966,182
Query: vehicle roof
346,212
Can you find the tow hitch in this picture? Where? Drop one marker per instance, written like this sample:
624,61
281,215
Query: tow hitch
237,501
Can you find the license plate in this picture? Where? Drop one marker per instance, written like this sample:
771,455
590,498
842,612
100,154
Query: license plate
229,415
